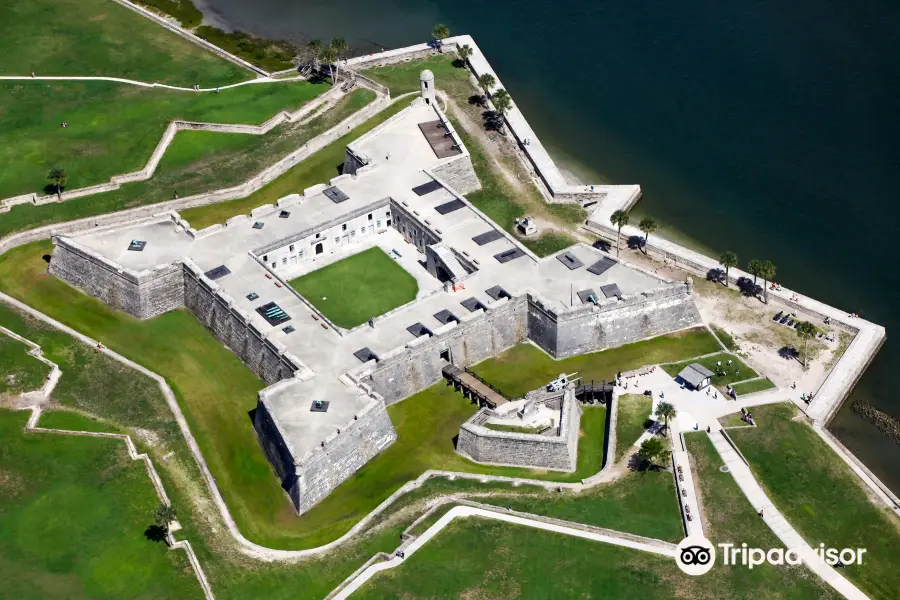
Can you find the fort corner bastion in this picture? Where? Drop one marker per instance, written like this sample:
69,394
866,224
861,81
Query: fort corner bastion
323,415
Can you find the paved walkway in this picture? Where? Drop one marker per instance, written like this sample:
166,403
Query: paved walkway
776,522
469,511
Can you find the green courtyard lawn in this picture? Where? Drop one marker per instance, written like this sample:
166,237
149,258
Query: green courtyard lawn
736,371
318,168
113,128
730,518
73,512
633,418
358,288
525,367
195,162
820,496
20,372
103,38
754,385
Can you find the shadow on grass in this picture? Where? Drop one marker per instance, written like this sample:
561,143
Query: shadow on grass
155,533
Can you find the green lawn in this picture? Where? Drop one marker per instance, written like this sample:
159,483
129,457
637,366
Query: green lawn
730,518
726,338
318,168
195,162
733,420
102,38
642,503
113,128
403,77
20,372
73,512
724,373
73,421
754,385
634,415
534,429
820,496
524,367
358,288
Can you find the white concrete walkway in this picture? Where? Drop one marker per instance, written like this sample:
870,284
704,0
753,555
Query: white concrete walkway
776,522
470,511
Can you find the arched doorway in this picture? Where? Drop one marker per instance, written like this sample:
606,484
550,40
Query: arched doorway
319,248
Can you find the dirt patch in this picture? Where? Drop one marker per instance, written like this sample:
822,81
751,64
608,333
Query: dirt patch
11,483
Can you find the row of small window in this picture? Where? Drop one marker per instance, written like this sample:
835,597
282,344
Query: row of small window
337,239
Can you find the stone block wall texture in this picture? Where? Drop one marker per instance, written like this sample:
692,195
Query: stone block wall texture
459,175
142,294
525,450
234,329
411,228
341,455
588,328
471,341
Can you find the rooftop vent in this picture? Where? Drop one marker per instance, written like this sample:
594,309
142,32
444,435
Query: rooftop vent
137,245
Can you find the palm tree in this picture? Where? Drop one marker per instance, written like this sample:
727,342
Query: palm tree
767,272
465,52
728,259
440,32
486,82
666,411
806,331
502,101
58,178
314,47
648,226
753,268
327,55
339,46
164,515
619,219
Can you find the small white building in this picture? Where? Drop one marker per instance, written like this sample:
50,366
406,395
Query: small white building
696,375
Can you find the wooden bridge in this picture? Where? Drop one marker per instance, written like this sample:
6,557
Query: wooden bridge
474,387
591,391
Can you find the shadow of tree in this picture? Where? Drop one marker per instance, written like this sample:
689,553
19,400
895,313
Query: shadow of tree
155,533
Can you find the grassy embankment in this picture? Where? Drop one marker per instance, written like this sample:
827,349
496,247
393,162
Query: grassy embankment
19,371
498,199
821,497
754,385
355,289
633,418
725,373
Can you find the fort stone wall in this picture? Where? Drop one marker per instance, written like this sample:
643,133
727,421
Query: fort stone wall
479,336
558,452
143,294
459,174
613,322
233,327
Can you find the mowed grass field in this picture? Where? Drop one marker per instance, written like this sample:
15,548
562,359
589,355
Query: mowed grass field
634,415
103,38
357,288
730,518
19,371
73,512
525,367
113,128
318,168
819,495
736,371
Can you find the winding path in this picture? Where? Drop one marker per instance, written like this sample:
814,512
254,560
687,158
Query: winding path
144,83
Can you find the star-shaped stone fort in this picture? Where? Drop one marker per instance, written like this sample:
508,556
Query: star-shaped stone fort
479,291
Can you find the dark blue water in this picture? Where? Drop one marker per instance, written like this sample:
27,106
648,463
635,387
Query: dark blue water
769,128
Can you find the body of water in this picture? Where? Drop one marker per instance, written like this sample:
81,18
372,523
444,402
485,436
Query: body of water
765,127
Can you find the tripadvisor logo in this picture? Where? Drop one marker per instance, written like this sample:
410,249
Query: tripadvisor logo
696,555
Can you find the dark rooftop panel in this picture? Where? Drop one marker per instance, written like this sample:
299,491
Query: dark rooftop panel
449,207
602,266
445,316
273,314
365,355
569,260
611,289
472,304
585,294
218,272
335,194
509,255
427,188
319,406
418,330
487,237
137,245
497,292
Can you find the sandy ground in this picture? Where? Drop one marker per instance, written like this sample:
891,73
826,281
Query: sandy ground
759,338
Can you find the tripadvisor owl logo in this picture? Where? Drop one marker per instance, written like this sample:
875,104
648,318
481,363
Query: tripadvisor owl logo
695,555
